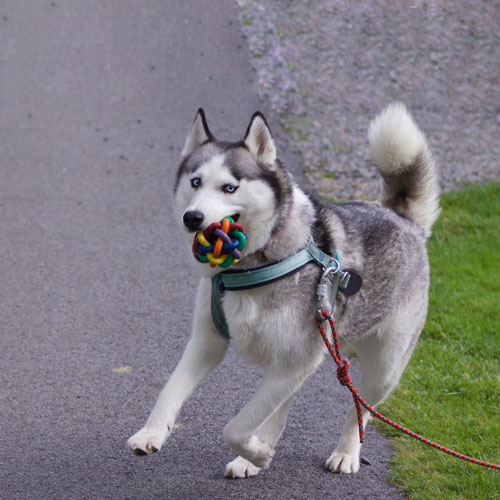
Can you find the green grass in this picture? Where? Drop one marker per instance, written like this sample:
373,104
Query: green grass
450,391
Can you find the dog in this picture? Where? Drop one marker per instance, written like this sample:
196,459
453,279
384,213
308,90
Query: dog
272,326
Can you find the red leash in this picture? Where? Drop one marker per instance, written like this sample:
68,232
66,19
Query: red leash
345,379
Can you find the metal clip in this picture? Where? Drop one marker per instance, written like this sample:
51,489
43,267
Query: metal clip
344,280
330,273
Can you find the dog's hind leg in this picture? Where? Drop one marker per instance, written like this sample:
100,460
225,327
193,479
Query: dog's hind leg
383,357
269,432
242,432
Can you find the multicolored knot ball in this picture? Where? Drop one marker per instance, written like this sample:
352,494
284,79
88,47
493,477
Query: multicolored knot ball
220,244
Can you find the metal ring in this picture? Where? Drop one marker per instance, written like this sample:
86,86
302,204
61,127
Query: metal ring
331,270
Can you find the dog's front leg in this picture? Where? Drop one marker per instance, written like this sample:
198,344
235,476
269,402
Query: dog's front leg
204,351
269,432
241,432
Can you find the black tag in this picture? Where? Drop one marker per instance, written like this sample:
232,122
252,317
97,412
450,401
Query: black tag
354,284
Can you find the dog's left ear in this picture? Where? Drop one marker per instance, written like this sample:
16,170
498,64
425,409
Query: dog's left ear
198,135
259,140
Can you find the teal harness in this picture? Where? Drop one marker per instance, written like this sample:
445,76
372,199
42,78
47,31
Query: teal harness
252,278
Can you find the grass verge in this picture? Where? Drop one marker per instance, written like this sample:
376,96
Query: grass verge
450,391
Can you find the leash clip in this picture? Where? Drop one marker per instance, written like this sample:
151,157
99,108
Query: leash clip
330,273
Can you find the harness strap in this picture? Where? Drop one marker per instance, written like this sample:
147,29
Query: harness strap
252,278
218,315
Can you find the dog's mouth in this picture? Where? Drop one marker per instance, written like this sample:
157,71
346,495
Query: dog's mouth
202,227
220,244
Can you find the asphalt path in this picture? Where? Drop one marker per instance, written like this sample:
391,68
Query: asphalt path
96,286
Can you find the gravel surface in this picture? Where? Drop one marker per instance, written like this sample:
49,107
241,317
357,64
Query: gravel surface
327,67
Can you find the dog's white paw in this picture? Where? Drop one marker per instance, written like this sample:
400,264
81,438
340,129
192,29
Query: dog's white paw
259,452
240,468
146,441
344,463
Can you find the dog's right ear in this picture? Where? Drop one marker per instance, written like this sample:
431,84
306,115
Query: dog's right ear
198,135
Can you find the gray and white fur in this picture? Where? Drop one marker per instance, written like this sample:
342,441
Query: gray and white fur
273,326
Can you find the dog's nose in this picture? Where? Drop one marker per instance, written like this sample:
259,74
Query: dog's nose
193,219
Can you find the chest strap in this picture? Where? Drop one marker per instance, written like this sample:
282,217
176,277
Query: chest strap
259,276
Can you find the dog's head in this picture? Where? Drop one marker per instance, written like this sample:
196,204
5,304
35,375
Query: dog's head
244,180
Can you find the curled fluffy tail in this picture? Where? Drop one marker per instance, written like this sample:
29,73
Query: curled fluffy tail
400,151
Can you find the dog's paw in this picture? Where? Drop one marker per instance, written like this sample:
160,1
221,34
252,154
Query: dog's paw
146,441
240,468
259,453
344,463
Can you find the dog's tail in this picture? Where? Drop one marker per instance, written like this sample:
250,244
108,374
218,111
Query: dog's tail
400,151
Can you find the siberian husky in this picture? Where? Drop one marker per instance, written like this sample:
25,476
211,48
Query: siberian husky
273,326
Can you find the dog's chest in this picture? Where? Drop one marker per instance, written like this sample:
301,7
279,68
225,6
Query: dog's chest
265,322
249,315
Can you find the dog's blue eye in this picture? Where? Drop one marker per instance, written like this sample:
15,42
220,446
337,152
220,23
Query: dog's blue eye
229,188
195,183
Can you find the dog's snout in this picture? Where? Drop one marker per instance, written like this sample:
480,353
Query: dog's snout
193,219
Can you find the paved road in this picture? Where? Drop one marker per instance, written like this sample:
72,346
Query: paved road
96,98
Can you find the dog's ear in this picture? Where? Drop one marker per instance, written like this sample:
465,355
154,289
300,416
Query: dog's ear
198,134
259,140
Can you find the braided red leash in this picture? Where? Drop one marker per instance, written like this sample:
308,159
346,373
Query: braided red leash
345,379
